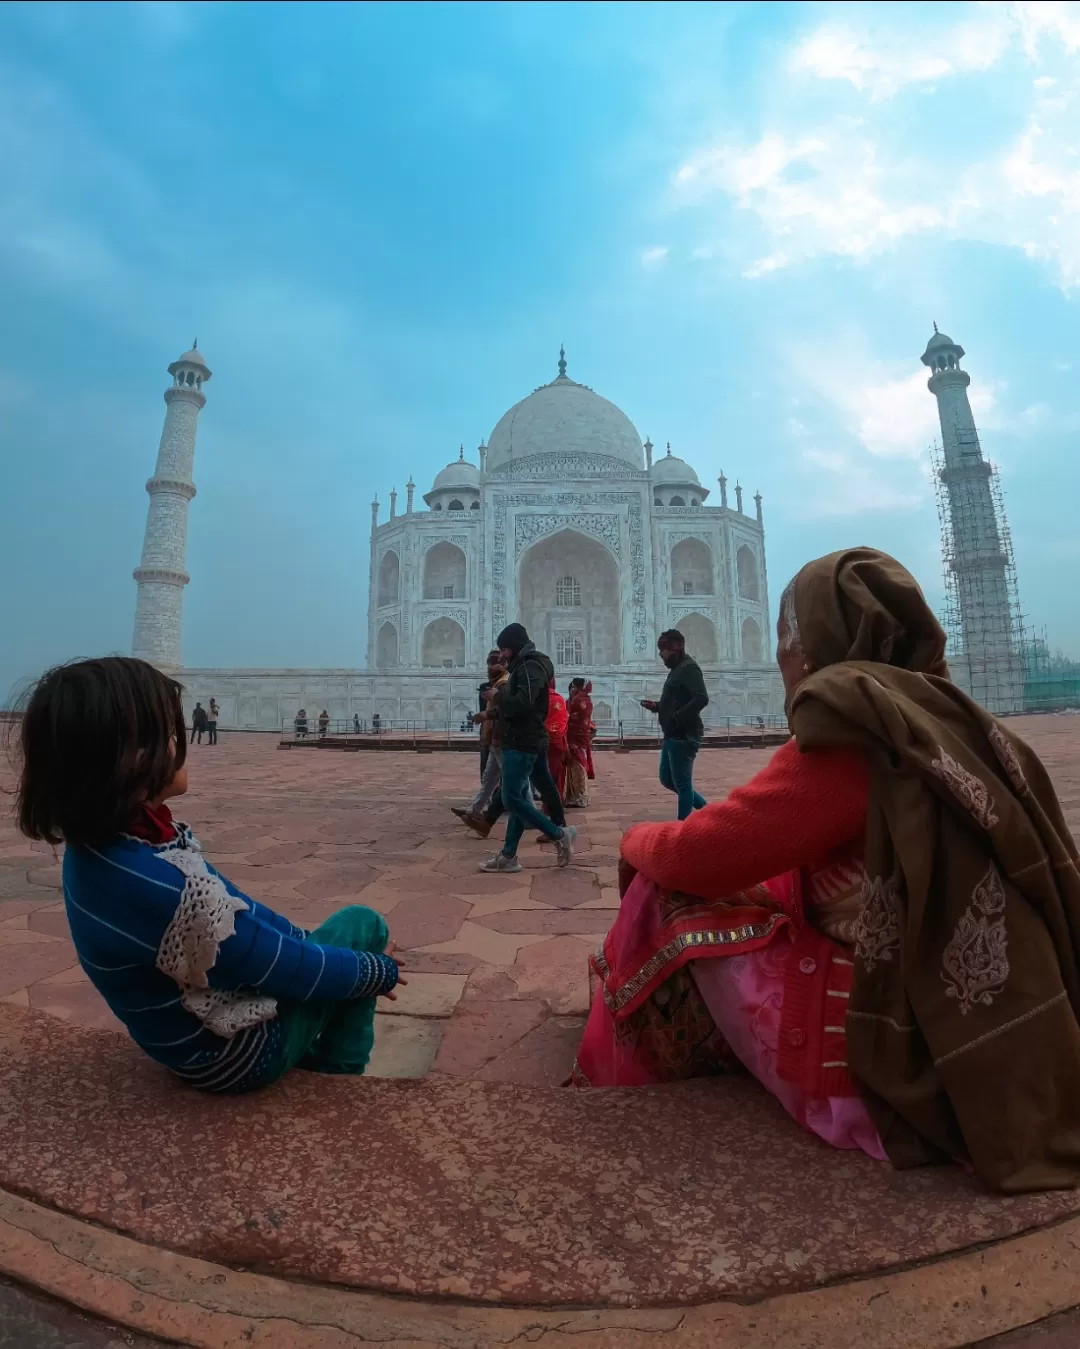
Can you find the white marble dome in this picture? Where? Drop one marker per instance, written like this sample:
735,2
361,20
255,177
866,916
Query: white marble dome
672,469
564,418
458,474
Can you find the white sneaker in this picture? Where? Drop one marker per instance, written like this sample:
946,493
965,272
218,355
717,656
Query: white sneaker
500,862
564,845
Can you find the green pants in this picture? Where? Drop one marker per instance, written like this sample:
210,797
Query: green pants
334,1036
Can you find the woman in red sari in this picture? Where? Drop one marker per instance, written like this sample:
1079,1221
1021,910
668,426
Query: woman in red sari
579,741
882,926
556,726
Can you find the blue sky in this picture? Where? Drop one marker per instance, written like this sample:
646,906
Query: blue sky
382,220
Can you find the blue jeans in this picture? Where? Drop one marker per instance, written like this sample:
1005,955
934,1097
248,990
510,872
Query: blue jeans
677,773
516,773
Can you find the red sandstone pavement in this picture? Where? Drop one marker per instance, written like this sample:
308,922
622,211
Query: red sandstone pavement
498,964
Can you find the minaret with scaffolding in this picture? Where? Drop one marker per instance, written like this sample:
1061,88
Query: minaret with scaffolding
982,608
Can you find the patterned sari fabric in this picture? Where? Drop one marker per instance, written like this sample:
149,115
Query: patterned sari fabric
963,1025
556,727
579,736
693,988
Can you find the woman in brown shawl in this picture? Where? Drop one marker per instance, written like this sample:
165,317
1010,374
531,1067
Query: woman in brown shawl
928,1009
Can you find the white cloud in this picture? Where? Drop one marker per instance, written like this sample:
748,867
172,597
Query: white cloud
883,63
855,186
888,414
824,193
654,257
835,52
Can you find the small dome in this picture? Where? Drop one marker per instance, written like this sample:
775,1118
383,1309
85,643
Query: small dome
192,357
458,474
674,470
938,343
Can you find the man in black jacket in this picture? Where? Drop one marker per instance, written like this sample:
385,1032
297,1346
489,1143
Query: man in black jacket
524,708
681,704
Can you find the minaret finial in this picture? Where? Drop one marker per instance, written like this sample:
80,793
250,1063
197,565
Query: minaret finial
562,361
935,327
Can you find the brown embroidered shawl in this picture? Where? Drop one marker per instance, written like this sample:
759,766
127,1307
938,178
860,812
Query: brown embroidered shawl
962,1026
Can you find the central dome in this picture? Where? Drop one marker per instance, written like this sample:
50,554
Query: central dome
565,418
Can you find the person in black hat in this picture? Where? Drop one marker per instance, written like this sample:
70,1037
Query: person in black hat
524,709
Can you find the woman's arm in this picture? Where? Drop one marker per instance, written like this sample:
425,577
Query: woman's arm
795,811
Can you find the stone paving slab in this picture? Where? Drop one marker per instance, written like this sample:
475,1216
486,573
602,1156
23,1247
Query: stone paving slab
308,832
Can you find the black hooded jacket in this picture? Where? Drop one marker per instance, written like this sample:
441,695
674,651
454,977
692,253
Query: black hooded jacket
524,703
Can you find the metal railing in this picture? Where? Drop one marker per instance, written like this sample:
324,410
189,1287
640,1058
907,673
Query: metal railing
345,731
293,730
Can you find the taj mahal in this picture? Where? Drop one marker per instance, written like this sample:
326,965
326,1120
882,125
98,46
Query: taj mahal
569,522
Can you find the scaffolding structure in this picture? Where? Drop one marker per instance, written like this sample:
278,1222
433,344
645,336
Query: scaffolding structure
982,616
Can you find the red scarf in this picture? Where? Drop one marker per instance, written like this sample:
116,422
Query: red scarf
154,824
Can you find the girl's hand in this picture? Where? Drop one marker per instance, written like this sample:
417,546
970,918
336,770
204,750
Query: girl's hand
391,947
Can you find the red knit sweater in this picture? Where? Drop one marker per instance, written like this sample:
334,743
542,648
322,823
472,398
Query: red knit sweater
794,813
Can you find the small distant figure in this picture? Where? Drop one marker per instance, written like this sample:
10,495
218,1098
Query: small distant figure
376,724
212,721
759,722
356,723
198,722
579,737
300,725
324,722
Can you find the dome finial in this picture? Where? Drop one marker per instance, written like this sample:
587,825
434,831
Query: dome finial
562,361
669,449
461,453
935,327
195,345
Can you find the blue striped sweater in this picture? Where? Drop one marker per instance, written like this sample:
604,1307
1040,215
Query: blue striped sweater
193,967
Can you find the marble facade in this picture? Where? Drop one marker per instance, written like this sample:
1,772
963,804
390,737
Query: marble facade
568,525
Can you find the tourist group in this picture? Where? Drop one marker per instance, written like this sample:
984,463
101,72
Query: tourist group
882,926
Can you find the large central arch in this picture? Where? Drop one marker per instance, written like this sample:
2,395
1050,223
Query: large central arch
569,598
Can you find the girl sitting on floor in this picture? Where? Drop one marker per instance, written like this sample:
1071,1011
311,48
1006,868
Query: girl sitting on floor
220,989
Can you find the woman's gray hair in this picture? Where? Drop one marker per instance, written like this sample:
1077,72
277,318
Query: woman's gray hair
790,618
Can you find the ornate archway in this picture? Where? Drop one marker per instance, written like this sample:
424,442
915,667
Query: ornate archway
700,634
753,648
389,578
569,598
386,647
747,567
444,572
443,644
692,568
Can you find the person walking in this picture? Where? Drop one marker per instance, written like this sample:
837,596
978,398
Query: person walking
681,703
212,721
198,722
489,721
524,708
324,722
300,724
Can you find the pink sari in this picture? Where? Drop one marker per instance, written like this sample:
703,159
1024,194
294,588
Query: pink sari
690,988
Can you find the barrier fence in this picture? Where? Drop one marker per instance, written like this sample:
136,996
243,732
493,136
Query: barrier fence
346,731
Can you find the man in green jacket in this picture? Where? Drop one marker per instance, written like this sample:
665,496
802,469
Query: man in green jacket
681,704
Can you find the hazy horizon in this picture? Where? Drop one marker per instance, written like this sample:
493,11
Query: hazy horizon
381,222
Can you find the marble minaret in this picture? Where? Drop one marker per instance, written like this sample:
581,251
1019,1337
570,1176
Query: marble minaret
987,663
161,573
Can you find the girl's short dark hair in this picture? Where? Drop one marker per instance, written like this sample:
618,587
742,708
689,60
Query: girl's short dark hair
98,738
